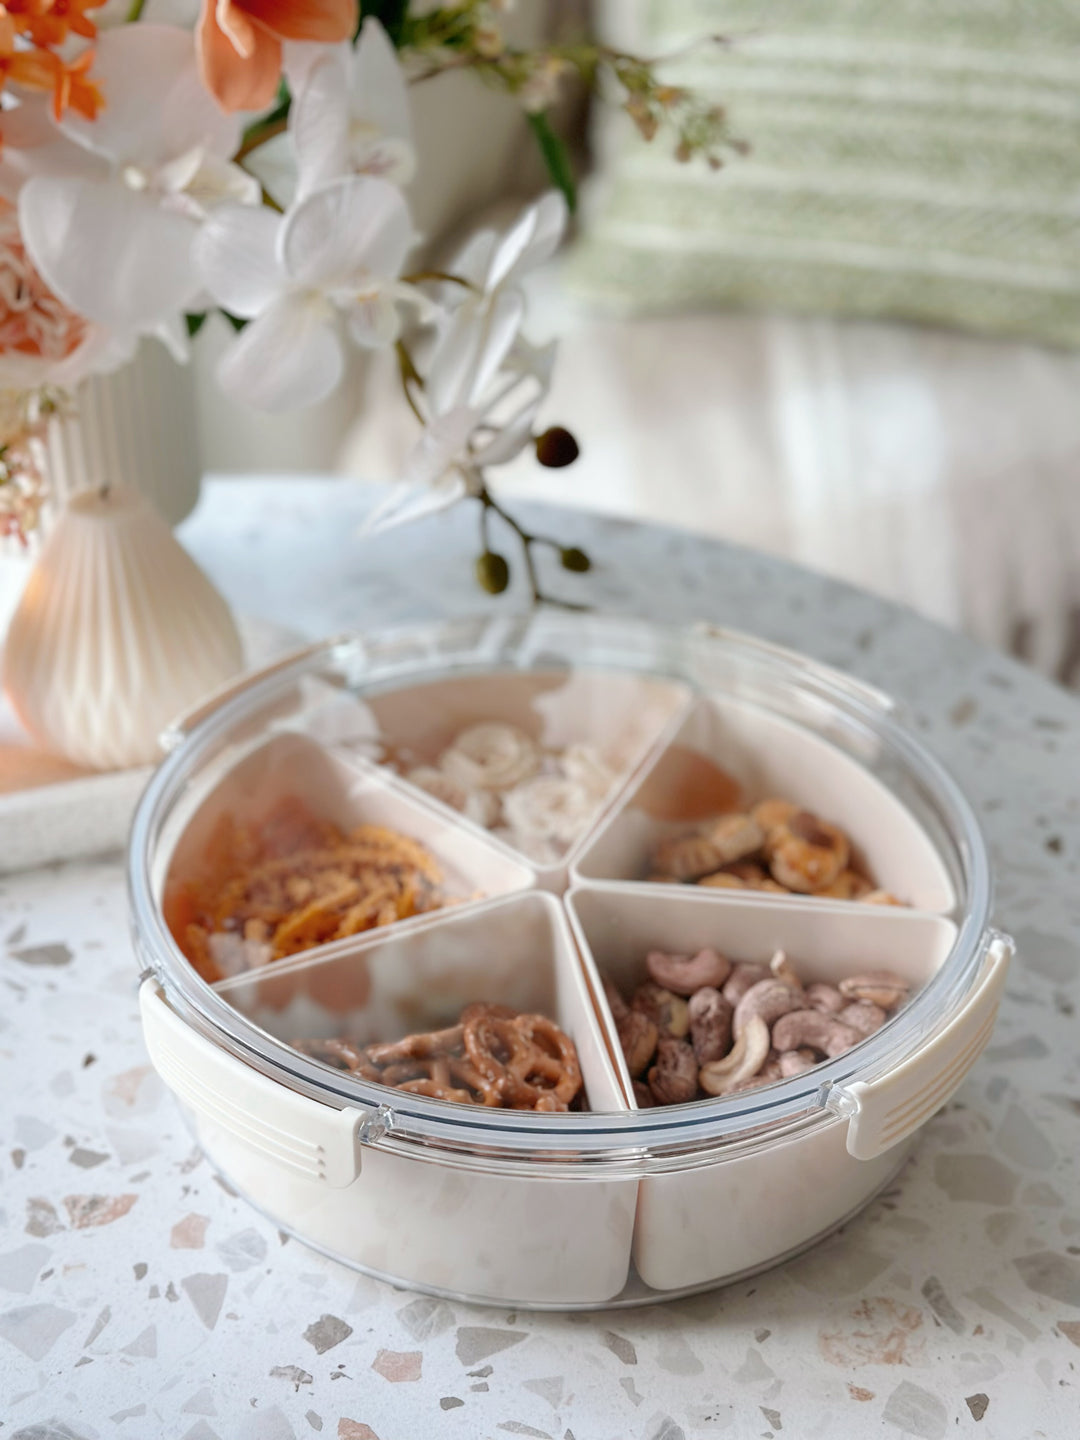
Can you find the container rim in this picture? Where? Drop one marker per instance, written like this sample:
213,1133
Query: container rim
661,1138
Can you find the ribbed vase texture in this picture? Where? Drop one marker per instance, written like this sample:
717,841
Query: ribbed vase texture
118,631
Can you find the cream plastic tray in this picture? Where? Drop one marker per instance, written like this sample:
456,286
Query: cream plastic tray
616,1205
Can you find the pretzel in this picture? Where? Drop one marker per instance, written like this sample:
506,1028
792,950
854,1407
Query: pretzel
493,1056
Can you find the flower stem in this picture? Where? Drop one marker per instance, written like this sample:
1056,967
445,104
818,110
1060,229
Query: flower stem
258,135
528,540
134,12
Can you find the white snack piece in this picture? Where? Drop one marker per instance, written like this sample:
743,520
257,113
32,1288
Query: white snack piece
549,808
491,757
480,806
584,764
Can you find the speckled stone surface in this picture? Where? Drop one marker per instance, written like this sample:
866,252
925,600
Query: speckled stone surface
139,1298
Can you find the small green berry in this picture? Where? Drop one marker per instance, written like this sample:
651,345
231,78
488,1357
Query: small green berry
556,447
574,559
492,572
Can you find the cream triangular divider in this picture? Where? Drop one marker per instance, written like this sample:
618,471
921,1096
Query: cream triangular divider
761,1197
415,1213
620,715
290,764
515,951
617,926
730,753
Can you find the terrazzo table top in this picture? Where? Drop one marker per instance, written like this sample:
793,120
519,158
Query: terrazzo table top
140,1298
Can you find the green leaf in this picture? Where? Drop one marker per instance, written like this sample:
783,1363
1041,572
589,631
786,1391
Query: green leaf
556,157
391,14
195,324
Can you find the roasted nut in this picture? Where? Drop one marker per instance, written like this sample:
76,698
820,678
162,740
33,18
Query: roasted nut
863,1016
848,885
643,1095
684,974
794,1062
771,813
734,836
665,1009
881,987
745,1058
687,857
769,999
615,999
710,1024
782,968
742,977
637,1036
826,998
807,853
824,1033
748,871
724,880
673,1080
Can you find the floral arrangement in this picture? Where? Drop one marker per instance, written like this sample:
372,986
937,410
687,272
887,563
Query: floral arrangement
135,196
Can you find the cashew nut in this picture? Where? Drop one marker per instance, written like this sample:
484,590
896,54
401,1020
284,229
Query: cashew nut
745,1058
687,857
734,836
744,975
638,1036
882,987
807,853
769,999
683,975
673,1080
794,1062
826,998
666,1010
820,1032
783,969
864,1016
710,1024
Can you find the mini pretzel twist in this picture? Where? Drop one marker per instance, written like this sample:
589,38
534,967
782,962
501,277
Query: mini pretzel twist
493,1056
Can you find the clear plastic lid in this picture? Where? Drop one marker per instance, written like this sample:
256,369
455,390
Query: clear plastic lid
588,740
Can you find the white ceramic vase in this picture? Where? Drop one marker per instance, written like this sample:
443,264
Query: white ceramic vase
136,428
117,632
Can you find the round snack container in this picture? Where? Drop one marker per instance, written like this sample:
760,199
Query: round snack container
611,1205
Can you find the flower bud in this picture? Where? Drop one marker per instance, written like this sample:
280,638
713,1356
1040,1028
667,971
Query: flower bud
492,572
574,559
556,447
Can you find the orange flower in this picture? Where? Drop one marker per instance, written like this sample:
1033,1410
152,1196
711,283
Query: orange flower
28,31
239,43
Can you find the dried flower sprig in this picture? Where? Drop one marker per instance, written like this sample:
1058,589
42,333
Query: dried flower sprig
468,35
24,415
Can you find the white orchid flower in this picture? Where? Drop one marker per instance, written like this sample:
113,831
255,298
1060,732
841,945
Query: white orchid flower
115,244
334,257
480,402
351,114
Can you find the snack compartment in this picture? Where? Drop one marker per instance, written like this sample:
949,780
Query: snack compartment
729,754
269,837
778,1198
416,1215
534,757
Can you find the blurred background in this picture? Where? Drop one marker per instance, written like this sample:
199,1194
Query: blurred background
857,348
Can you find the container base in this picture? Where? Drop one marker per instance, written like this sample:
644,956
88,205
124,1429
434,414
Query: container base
634,1294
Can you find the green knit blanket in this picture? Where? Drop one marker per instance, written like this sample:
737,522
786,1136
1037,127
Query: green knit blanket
911,158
